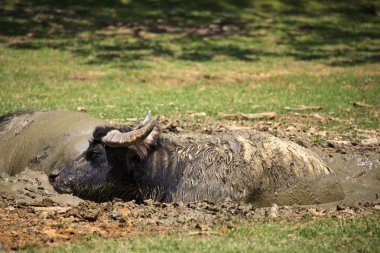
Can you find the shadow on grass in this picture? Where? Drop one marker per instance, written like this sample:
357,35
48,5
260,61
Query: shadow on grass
124,31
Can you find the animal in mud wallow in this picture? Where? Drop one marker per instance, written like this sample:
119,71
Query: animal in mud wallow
141,162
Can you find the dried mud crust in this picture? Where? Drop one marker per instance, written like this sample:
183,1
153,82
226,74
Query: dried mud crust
32,213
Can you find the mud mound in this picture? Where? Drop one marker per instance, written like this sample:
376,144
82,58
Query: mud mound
32,188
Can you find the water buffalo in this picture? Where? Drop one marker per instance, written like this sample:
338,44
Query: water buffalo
43,140
243,165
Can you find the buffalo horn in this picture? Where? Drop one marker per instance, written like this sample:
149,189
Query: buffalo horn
115,138
144,122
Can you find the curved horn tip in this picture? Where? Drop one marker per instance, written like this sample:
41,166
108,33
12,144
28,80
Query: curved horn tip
144,121
147,118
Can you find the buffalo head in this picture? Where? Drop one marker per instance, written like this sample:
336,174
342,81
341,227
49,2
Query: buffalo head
106,169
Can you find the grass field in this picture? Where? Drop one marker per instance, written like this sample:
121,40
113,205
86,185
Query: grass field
119,59
327,235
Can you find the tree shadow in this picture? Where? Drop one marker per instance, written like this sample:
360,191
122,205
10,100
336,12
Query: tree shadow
123,31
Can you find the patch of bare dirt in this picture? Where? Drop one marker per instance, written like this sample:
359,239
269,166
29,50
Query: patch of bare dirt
51,225
86,75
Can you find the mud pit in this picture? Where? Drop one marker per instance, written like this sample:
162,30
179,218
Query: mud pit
31,212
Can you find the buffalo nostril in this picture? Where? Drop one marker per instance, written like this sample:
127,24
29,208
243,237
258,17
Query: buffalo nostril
53,175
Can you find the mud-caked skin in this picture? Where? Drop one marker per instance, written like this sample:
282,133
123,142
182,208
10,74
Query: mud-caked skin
243,165
43,140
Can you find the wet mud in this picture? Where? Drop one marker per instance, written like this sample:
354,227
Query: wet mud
32,213
358,173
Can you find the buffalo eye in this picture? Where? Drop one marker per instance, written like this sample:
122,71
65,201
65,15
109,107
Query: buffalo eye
94,153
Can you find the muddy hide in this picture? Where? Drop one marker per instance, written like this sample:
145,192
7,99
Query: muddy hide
43,140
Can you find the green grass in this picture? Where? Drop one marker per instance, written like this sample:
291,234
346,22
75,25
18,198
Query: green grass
327,235
119,59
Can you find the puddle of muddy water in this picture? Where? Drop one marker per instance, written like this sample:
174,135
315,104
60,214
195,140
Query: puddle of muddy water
359,175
